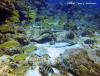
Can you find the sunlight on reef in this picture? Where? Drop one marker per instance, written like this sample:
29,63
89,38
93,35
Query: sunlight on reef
49,38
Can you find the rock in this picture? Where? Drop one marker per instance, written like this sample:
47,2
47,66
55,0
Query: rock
12,52
46,37
97,52
89,41
52,42
4,68
66,36
80,64
87,32
70,35
61,36
70,25
22,41
19,35
8,35
5,28
6,6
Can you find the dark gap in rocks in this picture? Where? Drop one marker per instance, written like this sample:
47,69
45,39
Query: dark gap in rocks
3,15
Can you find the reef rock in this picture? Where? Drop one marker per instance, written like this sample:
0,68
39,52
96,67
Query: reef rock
65,36
6,4
4,68
97,52
60,36
45,37
79,64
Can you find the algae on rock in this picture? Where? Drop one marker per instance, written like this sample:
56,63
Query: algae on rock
4,28
10,44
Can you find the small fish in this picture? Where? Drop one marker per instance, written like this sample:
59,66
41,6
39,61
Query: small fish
45,69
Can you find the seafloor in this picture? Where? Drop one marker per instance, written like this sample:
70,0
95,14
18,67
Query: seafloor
38,38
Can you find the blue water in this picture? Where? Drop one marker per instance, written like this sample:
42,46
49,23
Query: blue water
82,1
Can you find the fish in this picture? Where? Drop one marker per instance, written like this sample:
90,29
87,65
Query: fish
45,69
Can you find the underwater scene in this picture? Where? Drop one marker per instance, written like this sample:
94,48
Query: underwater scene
49,37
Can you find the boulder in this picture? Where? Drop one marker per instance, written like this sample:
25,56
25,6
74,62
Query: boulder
61,36
79,64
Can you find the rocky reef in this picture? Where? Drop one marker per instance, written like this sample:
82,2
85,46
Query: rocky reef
80,64
41,39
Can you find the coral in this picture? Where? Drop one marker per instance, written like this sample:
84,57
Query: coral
4,69
10,44
81,65
5,28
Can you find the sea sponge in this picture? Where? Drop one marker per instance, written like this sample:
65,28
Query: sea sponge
10,44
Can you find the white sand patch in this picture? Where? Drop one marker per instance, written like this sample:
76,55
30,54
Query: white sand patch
34,72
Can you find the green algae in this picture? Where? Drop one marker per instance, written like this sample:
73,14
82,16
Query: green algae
5,28
20,57
10,44
29,48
